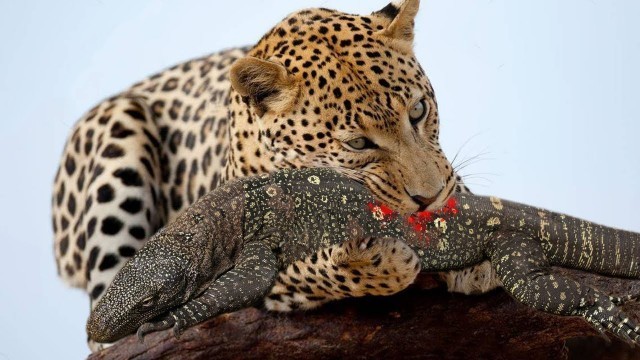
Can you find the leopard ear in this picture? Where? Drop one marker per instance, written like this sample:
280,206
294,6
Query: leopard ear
402,15
267,84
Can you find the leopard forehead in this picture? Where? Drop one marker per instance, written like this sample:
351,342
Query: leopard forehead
348,69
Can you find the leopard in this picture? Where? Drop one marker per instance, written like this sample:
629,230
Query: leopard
322,88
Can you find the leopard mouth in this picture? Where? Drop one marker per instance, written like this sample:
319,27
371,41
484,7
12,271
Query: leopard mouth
425,203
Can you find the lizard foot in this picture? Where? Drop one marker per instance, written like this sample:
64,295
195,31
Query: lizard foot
603,314
166,322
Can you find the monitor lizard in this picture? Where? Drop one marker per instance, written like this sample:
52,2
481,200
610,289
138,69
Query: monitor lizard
335,240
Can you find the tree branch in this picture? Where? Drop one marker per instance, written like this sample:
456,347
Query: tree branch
415,323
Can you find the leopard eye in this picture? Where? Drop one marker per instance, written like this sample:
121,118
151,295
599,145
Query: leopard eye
148,301
417,112
361,143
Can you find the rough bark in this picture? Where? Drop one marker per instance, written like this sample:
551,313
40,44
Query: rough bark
429,324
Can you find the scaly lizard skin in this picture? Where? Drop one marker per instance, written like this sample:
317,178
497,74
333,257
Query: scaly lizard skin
225,251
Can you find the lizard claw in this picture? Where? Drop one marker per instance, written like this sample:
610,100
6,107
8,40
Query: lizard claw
602,332
166,322
178,329
620,300
603,314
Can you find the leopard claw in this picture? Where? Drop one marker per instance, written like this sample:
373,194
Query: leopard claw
366,243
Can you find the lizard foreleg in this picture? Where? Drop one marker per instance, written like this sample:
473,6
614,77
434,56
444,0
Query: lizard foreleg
243,285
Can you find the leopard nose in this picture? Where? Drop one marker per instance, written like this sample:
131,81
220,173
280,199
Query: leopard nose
423,202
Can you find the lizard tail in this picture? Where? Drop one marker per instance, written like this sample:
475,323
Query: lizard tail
584,245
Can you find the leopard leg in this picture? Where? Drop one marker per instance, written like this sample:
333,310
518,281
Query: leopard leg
360,267
477,279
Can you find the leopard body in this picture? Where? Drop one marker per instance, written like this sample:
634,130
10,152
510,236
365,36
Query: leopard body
321,89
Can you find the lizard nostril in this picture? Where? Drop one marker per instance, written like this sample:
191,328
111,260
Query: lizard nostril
424,202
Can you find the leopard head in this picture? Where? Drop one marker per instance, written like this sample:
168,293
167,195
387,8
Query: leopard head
329,89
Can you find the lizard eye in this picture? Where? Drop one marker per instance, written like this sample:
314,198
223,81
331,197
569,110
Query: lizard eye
361,143
148,301
417,112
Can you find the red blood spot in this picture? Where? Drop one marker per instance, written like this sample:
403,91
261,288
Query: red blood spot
382,209
386,211
420,221
425,215
450,208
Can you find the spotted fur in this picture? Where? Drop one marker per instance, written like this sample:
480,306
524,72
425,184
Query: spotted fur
359,267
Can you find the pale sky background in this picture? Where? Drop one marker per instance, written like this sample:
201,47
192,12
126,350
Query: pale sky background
548,88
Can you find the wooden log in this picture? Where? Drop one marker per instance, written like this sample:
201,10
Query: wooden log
416,323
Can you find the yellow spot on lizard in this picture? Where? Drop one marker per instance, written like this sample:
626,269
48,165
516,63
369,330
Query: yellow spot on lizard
497,203
377,213
441,224
443,244
271,191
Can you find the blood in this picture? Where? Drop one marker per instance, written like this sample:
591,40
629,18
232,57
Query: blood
451,207
386,211
382,209
418,221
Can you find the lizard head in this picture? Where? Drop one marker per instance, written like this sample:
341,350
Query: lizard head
150,284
